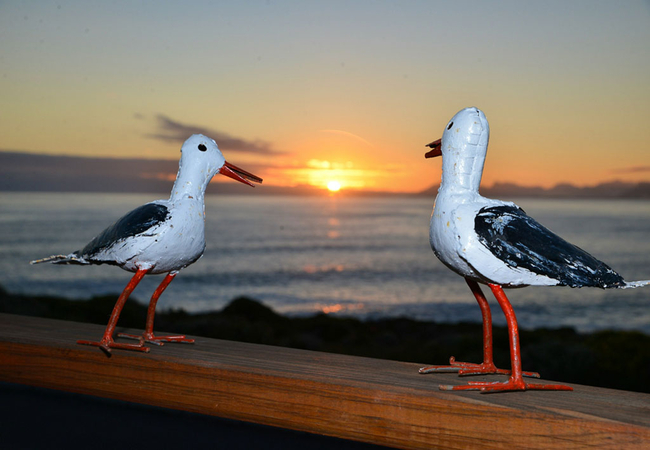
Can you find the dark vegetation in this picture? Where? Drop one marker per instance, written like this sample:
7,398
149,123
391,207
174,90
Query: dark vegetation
613,359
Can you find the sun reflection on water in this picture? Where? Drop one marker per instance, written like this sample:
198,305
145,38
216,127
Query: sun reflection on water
338,307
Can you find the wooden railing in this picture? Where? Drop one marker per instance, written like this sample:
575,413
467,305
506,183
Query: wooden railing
362,399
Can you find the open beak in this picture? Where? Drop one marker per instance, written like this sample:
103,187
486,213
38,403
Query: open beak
234,172
436,149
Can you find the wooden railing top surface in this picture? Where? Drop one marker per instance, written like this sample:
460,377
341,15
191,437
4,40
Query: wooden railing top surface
364,399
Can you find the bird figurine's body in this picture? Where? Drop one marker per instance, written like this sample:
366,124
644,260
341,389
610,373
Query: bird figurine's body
494,242
163,236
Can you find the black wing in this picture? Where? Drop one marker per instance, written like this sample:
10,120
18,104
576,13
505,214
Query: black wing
520,241
137,221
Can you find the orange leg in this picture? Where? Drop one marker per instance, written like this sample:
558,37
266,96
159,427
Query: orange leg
148,335
107,342
487,366
516,381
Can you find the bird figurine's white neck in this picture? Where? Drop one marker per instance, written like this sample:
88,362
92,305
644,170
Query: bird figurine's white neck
201,159
464,146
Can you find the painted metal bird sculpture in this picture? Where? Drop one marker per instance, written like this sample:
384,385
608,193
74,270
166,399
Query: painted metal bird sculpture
494,242
163,236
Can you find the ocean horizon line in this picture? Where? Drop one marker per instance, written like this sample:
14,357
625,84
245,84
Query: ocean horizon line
603,191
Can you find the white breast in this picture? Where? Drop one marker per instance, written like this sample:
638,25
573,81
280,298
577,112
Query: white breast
179,241
455,242
448,234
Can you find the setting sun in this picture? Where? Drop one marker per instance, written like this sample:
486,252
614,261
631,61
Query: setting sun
333,186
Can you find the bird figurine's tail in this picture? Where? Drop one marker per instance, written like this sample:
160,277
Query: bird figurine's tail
635,284
61,259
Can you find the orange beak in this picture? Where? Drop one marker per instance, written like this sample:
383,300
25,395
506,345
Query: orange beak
234,172
436,149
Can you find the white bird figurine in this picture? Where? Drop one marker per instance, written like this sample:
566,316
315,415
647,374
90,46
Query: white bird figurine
494,242
163,236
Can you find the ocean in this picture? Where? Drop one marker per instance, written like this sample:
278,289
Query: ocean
367,257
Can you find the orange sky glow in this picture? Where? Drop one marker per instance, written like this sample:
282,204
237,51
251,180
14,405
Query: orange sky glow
334,92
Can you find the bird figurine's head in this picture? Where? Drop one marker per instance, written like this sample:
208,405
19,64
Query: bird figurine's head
201,160
463,147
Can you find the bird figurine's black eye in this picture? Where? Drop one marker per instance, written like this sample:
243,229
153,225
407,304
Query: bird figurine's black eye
202,147
451,124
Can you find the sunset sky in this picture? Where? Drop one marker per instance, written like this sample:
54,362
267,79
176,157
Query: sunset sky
306,92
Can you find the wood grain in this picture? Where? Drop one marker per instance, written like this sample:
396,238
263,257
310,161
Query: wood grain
363,399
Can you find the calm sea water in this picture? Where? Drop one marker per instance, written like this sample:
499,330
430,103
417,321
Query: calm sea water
366,257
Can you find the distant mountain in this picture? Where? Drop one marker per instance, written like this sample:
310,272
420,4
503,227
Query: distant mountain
26,172
20,172
614,189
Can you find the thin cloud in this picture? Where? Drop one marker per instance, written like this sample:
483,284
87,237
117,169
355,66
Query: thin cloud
633,169
348,135
170,130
